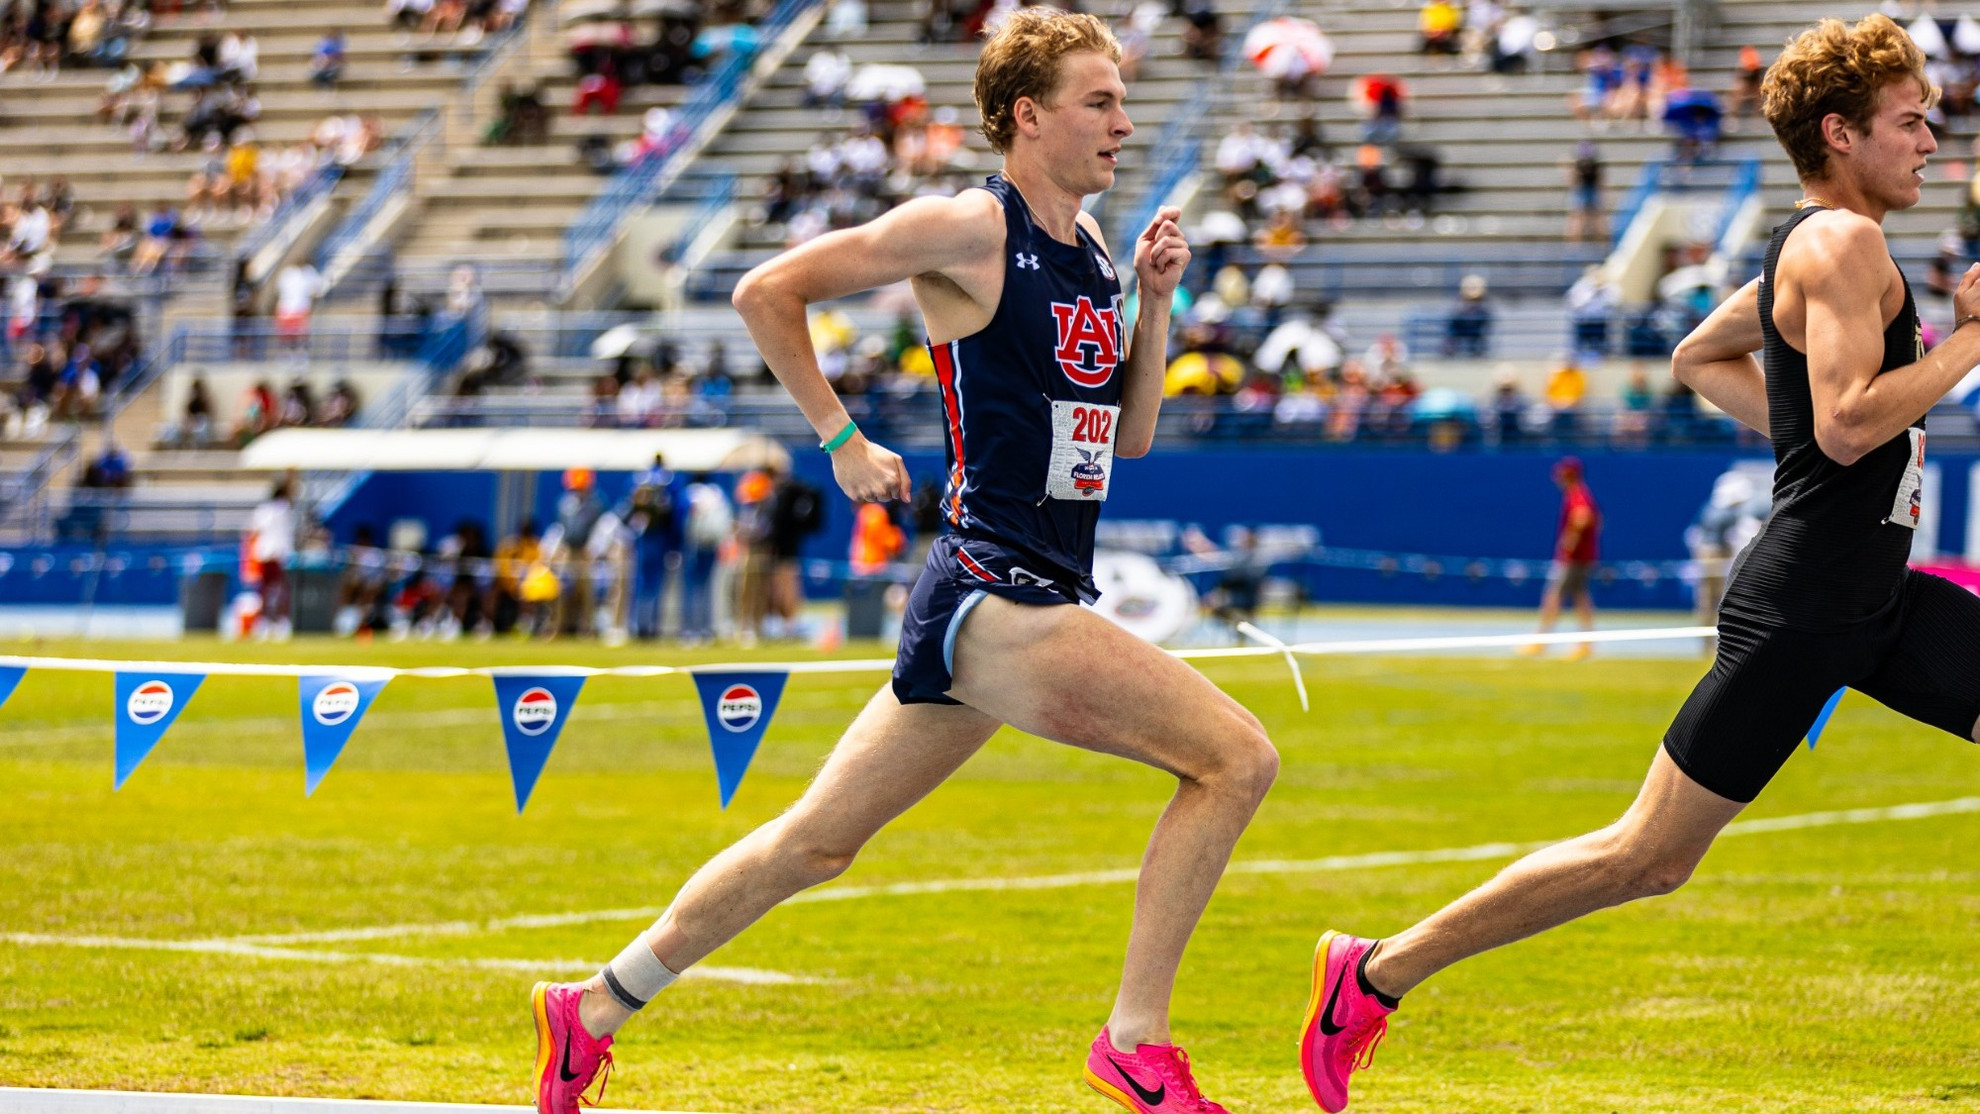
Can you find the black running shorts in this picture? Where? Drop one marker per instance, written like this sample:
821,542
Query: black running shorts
957,576
1920,656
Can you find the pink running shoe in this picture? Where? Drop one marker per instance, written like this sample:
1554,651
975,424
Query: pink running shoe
1153,1079
567,1057
1344,1023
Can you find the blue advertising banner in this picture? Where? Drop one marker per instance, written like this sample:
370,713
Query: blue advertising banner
147,704
331,709
738,707
534,711
10,678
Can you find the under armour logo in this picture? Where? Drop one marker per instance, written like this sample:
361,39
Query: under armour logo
1025,262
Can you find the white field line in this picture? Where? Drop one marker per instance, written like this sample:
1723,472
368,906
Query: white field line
235,947
1481,851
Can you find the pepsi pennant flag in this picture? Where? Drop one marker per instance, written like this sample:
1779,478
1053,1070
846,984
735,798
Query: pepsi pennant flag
534,711
331,708
738,707
10,678
147,704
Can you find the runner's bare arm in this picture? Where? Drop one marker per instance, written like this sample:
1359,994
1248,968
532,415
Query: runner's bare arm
1716,360
1857,409
927,236
1160,254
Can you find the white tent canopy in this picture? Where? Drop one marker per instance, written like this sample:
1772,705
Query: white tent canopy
510,450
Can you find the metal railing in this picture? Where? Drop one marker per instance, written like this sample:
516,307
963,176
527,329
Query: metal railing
1179,148
397,177
597,227
24,496
1673,176
316,187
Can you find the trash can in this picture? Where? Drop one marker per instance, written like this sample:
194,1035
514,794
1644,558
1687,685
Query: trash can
313,599
202,597
866,607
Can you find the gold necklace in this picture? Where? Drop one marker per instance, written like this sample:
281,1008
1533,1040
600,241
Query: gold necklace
1807,201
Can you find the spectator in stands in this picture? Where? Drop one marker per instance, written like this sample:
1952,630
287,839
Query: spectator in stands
1382,99
1468,329
640,402
259,412
1567,386
326,61
1203,32
1584,174
120,240
194,429
80,385
826,73
297,286
601,410
1744,97
1507,409
600,88
1440,23
109,469
298,404
1601,73
1632,429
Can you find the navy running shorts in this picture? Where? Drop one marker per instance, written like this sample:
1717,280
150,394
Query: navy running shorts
959,573
1919,656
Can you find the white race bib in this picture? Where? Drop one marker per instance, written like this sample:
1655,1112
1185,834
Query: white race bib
1082,451
1904,509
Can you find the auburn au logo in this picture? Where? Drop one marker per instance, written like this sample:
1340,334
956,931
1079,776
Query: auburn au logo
1089,340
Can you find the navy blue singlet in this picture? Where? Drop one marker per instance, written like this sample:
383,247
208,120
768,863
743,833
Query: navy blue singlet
1032,400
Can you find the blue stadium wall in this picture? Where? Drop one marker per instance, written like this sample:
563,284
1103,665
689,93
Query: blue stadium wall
1501,505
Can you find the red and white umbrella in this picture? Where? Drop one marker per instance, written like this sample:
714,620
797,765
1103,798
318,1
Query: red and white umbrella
1289,47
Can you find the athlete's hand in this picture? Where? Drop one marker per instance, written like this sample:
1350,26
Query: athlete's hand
1966,299
868,473
1161,253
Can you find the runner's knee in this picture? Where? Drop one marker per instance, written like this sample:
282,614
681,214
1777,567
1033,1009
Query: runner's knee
1244,760
1636,871
816,857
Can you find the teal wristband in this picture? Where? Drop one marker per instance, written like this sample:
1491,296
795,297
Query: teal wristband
844,436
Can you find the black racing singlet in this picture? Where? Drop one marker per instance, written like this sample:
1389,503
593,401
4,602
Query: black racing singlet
1834,551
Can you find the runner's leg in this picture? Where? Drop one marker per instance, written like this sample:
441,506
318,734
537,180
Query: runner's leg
1066,674
1651,850
892,756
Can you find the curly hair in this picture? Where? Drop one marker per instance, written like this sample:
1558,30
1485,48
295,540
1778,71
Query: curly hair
1022,60
1840,68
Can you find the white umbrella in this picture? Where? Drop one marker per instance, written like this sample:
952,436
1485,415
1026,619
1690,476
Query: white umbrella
1925,32
1222,227
1287,46
878,81
1966,35
616,342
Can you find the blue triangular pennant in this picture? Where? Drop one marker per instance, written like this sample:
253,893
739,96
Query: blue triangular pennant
331,709
534,709
1822,718
147,704
738,707
10,678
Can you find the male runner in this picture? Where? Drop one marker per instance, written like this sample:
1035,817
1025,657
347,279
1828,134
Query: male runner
1023,310
1822,598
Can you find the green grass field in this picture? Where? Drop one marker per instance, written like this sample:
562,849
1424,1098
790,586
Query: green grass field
1827,969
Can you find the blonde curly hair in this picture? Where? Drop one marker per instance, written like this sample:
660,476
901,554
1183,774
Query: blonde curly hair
1836,67
1022,60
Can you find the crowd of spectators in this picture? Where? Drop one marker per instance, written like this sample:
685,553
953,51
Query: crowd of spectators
683,557
896,150
259,410
39,37
64,347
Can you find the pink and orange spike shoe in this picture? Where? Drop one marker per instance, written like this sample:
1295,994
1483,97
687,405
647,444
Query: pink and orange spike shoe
1344,1023
1153,1079
567,1057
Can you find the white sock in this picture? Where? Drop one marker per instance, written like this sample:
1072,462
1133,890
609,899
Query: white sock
635,975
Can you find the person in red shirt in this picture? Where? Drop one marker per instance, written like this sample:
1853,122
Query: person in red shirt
1574,556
